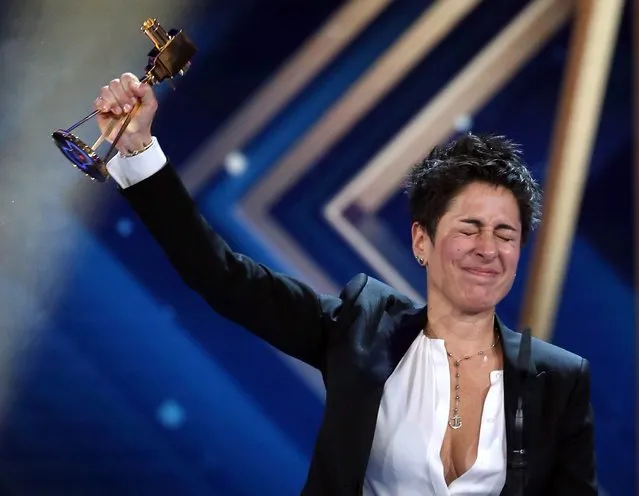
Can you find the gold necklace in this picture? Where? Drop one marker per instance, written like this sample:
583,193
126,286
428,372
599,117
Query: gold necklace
455,421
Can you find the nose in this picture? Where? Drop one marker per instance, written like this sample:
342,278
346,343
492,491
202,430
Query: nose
486,246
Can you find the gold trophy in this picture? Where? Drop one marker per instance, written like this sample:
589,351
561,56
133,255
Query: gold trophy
171,56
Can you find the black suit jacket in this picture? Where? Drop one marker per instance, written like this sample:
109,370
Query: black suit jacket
356,339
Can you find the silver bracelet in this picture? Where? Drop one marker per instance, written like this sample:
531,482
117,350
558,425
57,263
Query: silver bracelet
137,152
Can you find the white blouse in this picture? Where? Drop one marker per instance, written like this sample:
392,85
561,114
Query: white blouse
411,423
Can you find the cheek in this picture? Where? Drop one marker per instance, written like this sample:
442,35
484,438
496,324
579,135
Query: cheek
510,271
456,249
510,259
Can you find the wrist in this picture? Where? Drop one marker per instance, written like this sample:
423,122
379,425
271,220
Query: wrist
134,144
132,153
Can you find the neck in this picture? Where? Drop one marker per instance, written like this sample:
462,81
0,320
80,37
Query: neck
464,333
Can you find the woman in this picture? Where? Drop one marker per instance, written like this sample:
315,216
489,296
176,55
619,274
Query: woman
419,400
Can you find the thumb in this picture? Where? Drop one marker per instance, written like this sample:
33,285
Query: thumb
144,92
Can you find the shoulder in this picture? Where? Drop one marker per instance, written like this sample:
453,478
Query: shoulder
546,357
551,358
567,375
364,295
368,291
563,371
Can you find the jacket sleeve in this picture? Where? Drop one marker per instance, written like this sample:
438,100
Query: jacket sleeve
283,311
574,472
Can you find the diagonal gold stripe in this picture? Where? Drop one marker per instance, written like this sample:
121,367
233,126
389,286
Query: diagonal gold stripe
424,34
480,80
337,33
584,88
468,92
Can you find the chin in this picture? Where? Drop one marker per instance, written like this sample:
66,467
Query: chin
476,309
479,304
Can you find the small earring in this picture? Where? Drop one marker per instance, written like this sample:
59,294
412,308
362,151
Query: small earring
420,260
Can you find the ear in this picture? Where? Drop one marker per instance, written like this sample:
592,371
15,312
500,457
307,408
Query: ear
421,241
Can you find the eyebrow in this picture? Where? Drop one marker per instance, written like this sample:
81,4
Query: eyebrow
478,223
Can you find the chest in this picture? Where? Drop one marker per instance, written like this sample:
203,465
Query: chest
470,384
415,444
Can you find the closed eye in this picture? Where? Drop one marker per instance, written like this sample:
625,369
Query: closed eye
503,231
505,234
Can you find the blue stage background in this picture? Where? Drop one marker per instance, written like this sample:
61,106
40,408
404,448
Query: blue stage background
134,386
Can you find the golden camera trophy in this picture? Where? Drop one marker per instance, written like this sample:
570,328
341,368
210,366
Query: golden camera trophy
171,56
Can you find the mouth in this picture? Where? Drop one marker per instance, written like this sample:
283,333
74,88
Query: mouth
481,272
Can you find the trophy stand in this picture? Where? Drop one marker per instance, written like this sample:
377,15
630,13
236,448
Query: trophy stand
171,56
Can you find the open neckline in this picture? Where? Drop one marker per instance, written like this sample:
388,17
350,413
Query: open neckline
443,381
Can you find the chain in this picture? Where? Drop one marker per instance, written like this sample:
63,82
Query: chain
455,421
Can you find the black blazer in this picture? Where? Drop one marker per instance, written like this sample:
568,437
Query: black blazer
356,340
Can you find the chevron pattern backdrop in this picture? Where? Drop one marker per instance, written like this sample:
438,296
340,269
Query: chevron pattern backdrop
293,130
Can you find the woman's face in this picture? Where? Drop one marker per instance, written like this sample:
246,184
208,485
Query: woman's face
473,261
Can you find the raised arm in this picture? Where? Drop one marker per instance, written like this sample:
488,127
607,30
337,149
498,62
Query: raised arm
281,310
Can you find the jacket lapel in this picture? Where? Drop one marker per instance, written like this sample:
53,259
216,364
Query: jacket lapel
380,355
392,338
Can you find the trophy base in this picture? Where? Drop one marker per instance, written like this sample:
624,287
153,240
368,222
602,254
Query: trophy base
81,155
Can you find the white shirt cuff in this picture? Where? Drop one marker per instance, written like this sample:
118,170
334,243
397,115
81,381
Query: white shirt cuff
127,171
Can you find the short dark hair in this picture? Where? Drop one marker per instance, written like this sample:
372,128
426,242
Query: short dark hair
470,158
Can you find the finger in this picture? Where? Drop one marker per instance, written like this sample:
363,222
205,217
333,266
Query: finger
121,96
106,101
100,105
144,92
129,82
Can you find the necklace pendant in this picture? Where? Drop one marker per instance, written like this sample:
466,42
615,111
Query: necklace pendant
455,422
